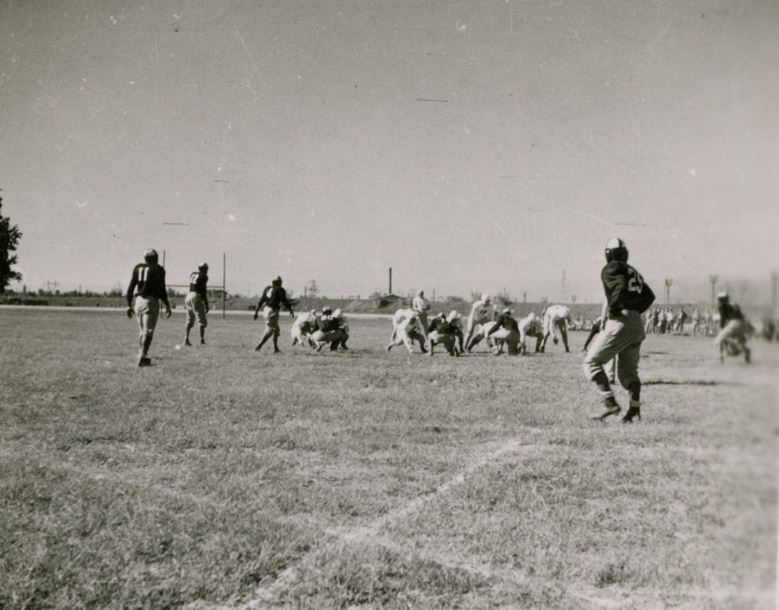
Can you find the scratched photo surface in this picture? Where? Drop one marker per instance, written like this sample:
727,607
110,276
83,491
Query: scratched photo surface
364,151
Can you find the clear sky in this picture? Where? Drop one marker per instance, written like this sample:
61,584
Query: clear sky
472,146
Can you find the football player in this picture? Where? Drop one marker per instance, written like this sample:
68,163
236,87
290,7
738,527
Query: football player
445,330
302,328
273,297
421,306
734,330
196,302
556,318
147,287
505,330
330,328
530,326
406,328
627,297
481,311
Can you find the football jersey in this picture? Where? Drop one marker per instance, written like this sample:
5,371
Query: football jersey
481,312
148,280
530,325
625,288
728,312
506,321
327,323
557,312
274,297
420,304
197,283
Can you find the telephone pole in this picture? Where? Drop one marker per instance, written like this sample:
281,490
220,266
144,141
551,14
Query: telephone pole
713,280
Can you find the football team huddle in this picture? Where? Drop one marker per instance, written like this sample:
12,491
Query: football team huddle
612,349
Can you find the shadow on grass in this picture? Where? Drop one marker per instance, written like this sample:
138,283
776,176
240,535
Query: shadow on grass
690,382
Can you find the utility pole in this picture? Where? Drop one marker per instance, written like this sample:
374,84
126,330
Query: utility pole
668,283
390,281
774,291
713,280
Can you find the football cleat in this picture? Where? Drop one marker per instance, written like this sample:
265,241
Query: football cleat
633,413
610,407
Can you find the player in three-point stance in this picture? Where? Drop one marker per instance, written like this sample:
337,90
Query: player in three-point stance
627,297
505,330
556,318
273,297
147,287
196,302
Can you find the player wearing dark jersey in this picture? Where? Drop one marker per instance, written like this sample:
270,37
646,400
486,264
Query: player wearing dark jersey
147,287
627,297
506,329
732,337
444,330
273,297
196,302
330,328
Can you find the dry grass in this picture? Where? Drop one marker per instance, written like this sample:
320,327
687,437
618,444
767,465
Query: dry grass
221,477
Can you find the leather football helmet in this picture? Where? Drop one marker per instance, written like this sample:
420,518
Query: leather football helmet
616,250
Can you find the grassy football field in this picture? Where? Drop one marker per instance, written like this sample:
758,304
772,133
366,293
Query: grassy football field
224,478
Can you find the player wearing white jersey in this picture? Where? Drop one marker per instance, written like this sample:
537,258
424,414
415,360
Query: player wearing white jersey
421,306
481,311
406,328
556,318
530,326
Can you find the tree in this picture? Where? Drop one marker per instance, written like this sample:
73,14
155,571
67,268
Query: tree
9,240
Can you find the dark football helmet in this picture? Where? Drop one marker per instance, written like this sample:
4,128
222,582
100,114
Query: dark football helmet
616,250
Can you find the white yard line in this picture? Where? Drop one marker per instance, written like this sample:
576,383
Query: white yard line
370,534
